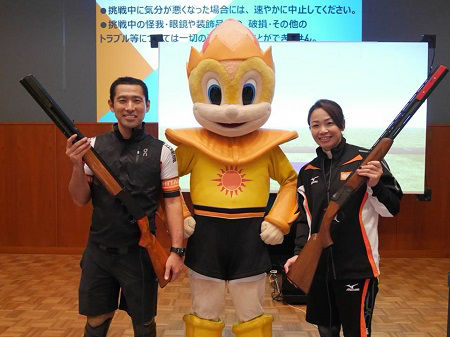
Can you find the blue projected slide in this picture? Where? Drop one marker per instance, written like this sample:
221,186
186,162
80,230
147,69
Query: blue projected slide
124,31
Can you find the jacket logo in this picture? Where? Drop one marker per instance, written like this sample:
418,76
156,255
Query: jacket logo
314,180
351,287
231,180
145,153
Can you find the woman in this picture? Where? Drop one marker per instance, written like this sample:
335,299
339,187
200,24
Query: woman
345,284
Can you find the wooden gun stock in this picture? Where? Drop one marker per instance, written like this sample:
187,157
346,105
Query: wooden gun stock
158,255
107,180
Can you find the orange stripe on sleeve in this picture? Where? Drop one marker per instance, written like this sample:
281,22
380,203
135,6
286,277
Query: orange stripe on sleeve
308,213
361,315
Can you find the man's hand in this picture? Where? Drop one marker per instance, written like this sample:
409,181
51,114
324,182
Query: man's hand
189,226
271,234
371,170
289,263
76,151
174,266
78,185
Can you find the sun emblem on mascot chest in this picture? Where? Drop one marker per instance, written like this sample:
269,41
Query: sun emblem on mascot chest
231,180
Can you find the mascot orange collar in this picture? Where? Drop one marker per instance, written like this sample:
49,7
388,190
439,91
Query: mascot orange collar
234,150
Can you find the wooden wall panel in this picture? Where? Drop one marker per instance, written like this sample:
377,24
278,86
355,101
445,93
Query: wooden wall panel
422,227
28,192
437,215
37,214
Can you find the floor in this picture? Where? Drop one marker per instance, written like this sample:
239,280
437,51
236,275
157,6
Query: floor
38,297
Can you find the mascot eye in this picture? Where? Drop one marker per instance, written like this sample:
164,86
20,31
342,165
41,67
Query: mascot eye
248,92
214,92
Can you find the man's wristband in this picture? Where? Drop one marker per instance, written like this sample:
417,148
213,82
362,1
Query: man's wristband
179,251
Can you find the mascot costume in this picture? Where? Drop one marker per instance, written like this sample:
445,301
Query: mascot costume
231,161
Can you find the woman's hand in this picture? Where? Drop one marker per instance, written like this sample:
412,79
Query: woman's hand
289,263
371,170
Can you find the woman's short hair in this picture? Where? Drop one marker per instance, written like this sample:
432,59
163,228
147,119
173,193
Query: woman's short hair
332,108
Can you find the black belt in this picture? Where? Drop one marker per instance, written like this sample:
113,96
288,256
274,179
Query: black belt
118,250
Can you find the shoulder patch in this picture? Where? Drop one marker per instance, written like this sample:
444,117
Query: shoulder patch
311,167
344,175
358,157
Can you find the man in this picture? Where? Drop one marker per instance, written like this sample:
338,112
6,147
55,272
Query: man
113,263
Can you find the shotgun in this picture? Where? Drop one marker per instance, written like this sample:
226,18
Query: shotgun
157,253
302,271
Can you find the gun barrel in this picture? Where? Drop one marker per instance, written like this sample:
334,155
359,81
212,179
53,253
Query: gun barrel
51,108
414,104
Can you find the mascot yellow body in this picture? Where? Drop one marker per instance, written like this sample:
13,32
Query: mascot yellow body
231,161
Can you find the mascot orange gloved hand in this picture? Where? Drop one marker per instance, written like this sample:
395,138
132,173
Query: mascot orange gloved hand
231,161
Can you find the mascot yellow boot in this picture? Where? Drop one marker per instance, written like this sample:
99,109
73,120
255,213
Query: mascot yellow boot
197,327
257,327
231,160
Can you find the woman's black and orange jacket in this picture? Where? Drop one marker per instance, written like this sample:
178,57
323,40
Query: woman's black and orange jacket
354,230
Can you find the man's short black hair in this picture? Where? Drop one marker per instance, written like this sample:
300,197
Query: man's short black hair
127,80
